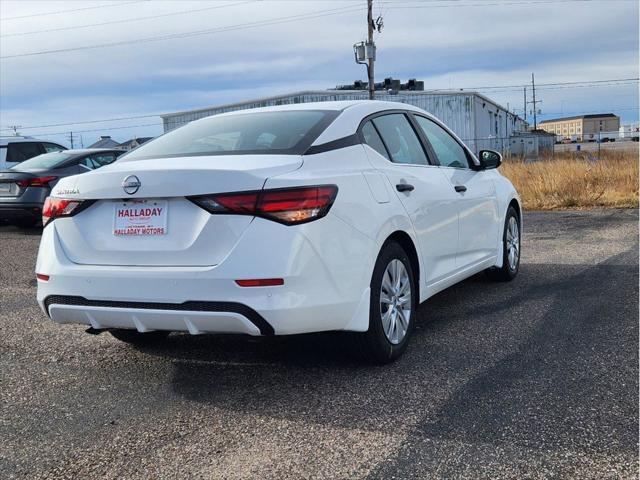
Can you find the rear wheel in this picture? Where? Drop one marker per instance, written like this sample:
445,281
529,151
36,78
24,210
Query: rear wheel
139,338
510,249
392,309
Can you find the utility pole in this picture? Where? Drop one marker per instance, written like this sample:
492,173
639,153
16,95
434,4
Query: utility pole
535,118
370,25
525,104
365,52
534,102
70,137
15,129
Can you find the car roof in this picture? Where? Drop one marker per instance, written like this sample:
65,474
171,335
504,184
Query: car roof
8,140
353,111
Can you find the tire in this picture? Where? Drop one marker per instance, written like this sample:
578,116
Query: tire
509,269
139,339
375,345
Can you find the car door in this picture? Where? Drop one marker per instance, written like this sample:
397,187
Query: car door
477,200
394,148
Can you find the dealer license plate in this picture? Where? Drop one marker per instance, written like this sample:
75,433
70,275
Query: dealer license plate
140,217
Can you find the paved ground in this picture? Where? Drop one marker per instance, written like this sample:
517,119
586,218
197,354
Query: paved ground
537,378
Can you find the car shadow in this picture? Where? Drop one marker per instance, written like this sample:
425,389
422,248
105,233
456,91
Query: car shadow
470,342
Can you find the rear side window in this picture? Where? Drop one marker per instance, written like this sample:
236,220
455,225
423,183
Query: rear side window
52,147
372,139
400,138
21,151
282,132
98,160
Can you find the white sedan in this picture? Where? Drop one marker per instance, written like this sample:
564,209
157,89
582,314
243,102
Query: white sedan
278,221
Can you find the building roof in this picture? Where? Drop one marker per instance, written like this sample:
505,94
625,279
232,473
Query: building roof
380,95
135,141
577,117
104,142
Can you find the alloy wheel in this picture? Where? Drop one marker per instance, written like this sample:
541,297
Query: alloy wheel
513,243
395,301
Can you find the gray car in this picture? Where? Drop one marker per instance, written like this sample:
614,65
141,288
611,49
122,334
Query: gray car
24,187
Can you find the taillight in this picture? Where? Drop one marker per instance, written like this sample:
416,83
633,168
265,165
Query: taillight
290,206
36,182
58,207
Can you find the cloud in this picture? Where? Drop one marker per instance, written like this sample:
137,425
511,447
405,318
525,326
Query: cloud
465,46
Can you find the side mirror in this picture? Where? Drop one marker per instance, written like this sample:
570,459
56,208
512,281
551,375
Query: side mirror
489,159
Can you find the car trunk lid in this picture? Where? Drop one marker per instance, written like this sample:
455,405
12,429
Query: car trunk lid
181,233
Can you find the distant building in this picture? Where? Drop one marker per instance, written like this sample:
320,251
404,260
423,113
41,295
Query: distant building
531,144
479,121
583,127
629,132
105,142
133,143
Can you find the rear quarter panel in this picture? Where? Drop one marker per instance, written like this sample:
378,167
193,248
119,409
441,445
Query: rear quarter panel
367,215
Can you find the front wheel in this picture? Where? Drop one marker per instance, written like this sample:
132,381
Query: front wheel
510,249
393,306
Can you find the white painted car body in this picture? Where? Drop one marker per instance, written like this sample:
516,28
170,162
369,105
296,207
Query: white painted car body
186,280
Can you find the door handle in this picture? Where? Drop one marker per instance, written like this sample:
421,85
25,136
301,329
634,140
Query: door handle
460,188
404,187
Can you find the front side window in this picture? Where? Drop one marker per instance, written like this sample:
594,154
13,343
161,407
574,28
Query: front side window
449,152
283,132
401,141
21,151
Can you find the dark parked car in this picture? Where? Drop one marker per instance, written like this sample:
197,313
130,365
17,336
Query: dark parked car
24,187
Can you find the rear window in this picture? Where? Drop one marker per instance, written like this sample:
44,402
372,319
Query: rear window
285,132
43,162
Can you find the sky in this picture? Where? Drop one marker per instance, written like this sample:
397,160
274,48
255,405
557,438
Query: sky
67,65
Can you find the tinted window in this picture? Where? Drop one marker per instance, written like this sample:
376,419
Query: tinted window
43,162
51,147
287,132
400,139
372,139
21,151
98,160
449,152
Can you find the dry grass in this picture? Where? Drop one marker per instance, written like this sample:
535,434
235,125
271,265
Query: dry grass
571,180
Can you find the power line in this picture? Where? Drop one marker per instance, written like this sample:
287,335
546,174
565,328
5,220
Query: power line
135,117
126,20
156,124
72,10
488,3
240,26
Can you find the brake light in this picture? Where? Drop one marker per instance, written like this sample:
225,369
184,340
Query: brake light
58,207
290,206
36,182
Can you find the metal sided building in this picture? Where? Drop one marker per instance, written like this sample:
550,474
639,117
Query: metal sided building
479,121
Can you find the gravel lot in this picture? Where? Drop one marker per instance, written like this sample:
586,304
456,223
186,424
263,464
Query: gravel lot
537,378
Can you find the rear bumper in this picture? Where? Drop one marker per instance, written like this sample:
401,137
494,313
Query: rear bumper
15,211
194,317
325,285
